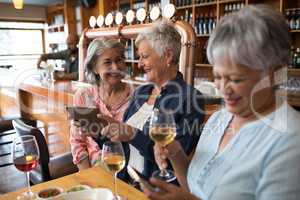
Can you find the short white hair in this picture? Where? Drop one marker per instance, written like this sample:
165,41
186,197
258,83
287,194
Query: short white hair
257,36
162,36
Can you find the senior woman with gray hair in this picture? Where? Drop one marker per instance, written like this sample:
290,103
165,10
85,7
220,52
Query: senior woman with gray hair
249,150
159,50
105,68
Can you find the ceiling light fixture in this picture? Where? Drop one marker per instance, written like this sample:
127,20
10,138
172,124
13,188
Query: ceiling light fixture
18,4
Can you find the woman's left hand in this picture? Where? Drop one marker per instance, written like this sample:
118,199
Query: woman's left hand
116,131
168,191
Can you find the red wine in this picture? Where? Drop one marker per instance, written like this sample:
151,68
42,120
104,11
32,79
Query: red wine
26,163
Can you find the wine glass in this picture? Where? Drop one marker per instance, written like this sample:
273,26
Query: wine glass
25,155
113,159
162,131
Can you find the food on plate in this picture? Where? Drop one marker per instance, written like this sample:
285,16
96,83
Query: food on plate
50,192
78,188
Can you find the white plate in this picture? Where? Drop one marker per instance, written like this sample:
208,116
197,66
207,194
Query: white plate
89,194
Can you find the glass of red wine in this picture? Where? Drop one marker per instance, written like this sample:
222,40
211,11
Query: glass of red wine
25,155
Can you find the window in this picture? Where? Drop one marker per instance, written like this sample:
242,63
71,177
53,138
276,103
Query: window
20,43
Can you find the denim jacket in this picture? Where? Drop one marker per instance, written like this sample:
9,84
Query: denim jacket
187,104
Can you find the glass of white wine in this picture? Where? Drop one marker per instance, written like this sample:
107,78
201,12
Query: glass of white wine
113,159
162,131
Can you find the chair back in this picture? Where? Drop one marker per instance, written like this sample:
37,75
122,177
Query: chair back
24,129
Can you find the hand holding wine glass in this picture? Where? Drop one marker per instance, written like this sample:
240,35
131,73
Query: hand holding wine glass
25,155
113,159
163,132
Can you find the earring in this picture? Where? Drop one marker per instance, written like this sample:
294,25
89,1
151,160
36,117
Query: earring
168,65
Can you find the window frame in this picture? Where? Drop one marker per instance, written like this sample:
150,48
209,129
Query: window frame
29,29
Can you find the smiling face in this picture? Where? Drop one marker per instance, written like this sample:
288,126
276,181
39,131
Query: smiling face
239,86
111,66
154,66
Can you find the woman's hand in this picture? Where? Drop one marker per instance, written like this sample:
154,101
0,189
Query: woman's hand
168,191
117,131
82,130
163,153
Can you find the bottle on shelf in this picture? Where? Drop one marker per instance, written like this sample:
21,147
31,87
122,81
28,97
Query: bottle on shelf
293,18
296,58
211,23
233,7
191,19
186,15
200,24
205,24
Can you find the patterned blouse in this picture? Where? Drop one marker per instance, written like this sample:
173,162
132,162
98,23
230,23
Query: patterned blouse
83,146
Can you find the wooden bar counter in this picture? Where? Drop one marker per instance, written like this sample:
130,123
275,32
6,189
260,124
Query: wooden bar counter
46,102
94,177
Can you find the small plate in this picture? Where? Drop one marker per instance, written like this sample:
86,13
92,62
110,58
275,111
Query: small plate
50,193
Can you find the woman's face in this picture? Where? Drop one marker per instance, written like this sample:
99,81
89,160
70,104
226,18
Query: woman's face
243,89
154,66
111,66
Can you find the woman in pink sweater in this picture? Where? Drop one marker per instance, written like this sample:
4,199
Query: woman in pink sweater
105,68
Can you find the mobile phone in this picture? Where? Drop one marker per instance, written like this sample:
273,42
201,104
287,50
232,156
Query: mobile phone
135,175
87,118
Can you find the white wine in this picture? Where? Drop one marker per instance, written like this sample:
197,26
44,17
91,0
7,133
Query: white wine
163,135
114,163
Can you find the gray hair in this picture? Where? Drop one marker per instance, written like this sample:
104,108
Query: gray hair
94,51
162,36
256,37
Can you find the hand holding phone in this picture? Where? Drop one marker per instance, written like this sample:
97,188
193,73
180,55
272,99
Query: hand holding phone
144,184
86,118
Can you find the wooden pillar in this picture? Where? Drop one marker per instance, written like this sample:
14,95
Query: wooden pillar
69,14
